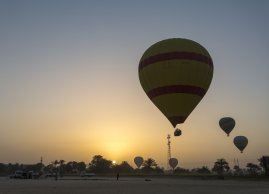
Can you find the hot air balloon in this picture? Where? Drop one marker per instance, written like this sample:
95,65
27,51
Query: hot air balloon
227,124
138,161
177,132
173,162
240,142
176,74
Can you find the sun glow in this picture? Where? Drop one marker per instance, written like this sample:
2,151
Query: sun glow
116,148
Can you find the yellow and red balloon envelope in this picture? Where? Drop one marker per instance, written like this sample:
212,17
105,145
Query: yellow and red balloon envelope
175,74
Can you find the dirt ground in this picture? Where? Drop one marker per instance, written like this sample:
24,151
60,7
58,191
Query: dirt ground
131,185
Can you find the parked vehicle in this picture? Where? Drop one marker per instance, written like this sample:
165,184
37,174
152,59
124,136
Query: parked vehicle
18,174
85,174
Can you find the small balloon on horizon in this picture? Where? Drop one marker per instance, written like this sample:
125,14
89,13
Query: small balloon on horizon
173,162
138,160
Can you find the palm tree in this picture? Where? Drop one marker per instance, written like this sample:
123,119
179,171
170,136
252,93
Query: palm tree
61,162
220,167
55,165
150,163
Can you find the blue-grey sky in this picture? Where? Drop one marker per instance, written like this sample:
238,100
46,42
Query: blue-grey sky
69,79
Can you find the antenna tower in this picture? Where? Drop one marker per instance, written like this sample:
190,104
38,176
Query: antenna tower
169,151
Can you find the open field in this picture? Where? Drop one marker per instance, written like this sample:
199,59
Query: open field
132,185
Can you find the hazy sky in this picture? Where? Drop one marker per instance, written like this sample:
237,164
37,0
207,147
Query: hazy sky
70,90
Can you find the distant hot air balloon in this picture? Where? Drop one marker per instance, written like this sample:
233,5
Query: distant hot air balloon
176,74
240,142
173,162
227,124
138,161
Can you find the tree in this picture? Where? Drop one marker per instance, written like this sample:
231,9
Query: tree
49,168
253,169
100,164
61,162
68,167
32,167
55,163
202,170
261,162
124,167
159,170
264,163
221,166
61,167
149,165
74,167
237,170
181,170
13,167
81,166
3,169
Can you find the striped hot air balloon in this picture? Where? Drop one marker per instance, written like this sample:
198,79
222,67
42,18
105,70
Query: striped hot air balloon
175,74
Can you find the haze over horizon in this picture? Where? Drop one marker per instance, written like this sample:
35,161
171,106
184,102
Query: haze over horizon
70,89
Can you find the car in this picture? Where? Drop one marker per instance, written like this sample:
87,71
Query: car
86,174
18,174
50,175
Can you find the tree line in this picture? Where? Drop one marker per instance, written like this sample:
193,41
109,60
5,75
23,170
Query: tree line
98,165
101,165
